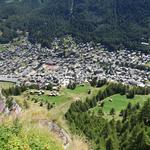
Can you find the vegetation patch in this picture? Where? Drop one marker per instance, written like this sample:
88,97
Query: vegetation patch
119,102
65,94
57,100
130,131
15,137
148,64
5,85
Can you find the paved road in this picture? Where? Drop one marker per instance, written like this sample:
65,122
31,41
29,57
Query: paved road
8,79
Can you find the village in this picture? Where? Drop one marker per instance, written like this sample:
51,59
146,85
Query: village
49,69
31,64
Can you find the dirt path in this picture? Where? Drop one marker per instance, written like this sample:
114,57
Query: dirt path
60,133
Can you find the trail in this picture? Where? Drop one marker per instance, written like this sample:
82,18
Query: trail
58,131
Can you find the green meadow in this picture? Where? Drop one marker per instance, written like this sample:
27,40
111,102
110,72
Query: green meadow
66,95
5,85
119,102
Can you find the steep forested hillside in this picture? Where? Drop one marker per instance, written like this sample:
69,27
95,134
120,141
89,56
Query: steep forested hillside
129,132
113,22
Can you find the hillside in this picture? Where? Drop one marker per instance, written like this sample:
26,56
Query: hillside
108,128
103,116
112,22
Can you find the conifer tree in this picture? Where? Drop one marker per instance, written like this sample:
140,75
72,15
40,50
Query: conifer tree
112,111
109,144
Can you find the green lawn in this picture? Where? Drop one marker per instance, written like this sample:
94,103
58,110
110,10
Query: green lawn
63,101
78,90
57,100
79,93
6,85
120,102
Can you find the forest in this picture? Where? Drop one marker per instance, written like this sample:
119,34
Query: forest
114,23
131,132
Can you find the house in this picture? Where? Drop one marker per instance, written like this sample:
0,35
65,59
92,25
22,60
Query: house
53,93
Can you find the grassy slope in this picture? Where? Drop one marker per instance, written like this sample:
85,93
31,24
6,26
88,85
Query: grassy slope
30,119
64,100
5,85
67,96
118,103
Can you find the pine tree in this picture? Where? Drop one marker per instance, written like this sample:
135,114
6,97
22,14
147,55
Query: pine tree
141,141
109,144
112,111
106,130
130,94
138,105
49,106
121,113
118,126
129,106
17,91
145,113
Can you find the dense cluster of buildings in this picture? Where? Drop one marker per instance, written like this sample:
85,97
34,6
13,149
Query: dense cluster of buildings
31,64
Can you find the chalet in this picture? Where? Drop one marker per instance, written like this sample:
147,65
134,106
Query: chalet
53,93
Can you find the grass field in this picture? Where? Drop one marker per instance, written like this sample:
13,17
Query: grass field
63,101
5,85
119,102
57,100
66,95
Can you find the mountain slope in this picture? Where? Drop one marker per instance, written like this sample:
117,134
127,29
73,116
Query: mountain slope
112,22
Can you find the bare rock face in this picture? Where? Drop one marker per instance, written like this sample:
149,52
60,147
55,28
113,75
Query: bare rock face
2,106
61,133
16,109
2,103
58,131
